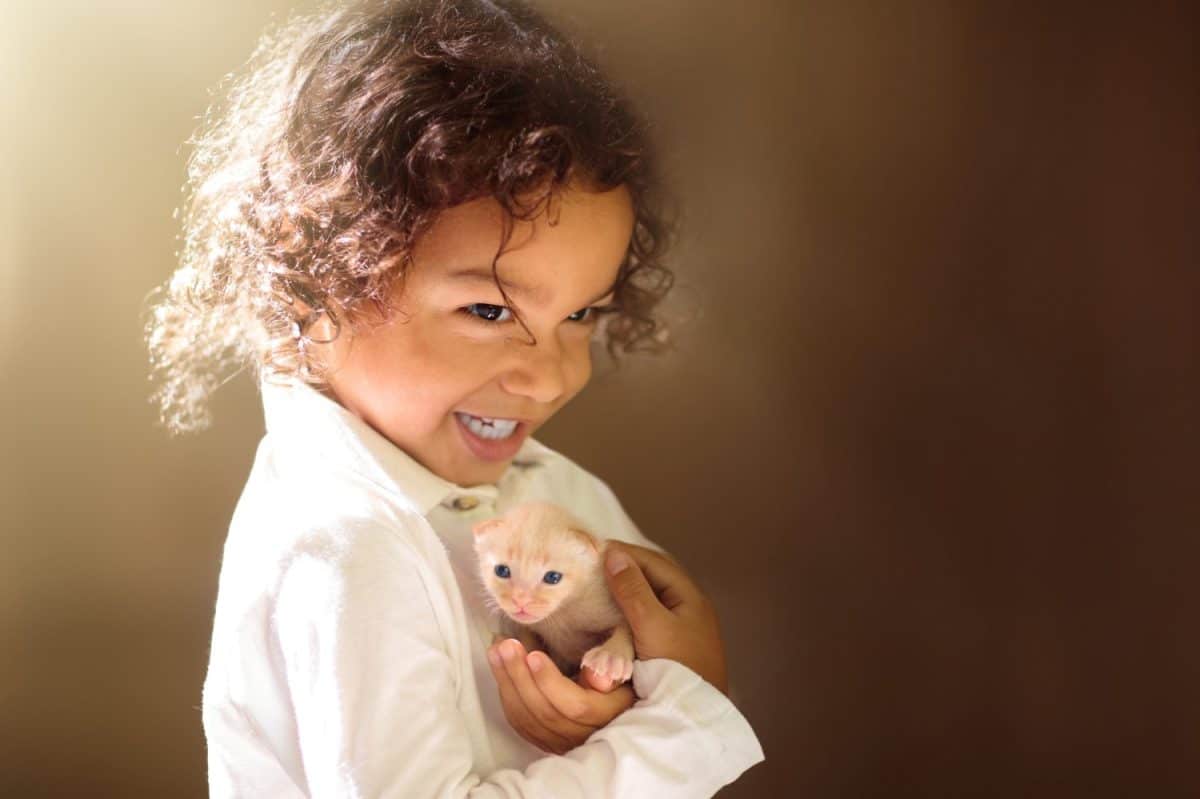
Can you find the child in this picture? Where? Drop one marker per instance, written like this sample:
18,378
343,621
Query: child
409,219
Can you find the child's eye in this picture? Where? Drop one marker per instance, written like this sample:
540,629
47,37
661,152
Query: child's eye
492,314
502,571
488,313
552,577
596,310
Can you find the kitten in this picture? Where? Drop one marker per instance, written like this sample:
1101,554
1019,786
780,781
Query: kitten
544,571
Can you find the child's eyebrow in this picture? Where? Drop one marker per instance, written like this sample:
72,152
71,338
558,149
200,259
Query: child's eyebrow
475,274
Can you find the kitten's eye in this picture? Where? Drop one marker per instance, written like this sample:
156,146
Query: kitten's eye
552,577
502,571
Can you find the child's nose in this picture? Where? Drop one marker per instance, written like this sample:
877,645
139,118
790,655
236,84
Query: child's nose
539,371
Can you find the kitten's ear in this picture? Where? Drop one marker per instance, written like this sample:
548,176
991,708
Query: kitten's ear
590,547
486,525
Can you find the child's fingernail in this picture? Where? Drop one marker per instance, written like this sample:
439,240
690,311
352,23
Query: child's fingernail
617,562
493,657
535,662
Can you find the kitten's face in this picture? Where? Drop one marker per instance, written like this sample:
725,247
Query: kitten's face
531,560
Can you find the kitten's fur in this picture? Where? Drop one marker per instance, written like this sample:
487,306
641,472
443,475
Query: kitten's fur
576,619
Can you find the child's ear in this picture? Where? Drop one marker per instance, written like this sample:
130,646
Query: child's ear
487,524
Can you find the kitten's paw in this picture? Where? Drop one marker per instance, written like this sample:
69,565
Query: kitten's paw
606,663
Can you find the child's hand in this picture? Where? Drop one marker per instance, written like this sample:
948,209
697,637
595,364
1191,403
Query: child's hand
549,710
670,616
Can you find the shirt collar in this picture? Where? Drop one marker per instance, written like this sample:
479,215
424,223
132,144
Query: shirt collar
313,426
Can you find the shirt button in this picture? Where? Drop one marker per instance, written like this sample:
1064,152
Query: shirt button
465,503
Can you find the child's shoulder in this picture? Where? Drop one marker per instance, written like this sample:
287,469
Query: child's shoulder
330,515
564,476
564,481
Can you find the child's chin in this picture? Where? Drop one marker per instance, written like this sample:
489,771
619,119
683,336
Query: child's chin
479,473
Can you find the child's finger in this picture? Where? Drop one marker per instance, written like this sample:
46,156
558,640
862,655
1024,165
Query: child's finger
600,682
542,711
520,716
589,708
631,590
670,583
514,709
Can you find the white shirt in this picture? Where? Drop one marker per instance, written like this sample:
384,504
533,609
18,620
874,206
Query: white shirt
349,642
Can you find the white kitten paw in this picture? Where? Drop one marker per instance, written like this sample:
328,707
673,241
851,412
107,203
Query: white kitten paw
607,663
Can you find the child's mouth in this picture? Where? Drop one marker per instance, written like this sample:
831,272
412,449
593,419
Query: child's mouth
490,429
498,441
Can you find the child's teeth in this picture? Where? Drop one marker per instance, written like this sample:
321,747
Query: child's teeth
489,428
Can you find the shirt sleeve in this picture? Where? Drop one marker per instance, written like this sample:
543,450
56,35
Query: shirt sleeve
377,714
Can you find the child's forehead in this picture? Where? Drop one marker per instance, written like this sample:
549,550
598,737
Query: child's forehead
581,241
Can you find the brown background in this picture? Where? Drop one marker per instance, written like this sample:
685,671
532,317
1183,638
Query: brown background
929,441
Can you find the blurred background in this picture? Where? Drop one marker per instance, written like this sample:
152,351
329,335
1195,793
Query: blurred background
929,440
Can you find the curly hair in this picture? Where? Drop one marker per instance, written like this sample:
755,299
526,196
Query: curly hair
348,131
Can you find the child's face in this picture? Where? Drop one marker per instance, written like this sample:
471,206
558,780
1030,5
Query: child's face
409,377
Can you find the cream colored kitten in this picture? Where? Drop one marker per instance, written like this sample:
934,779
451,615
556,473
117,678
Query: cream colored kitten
544,571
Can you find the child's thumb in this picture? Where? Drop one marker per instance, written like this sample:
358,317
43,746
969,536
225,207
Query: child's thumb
629,587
